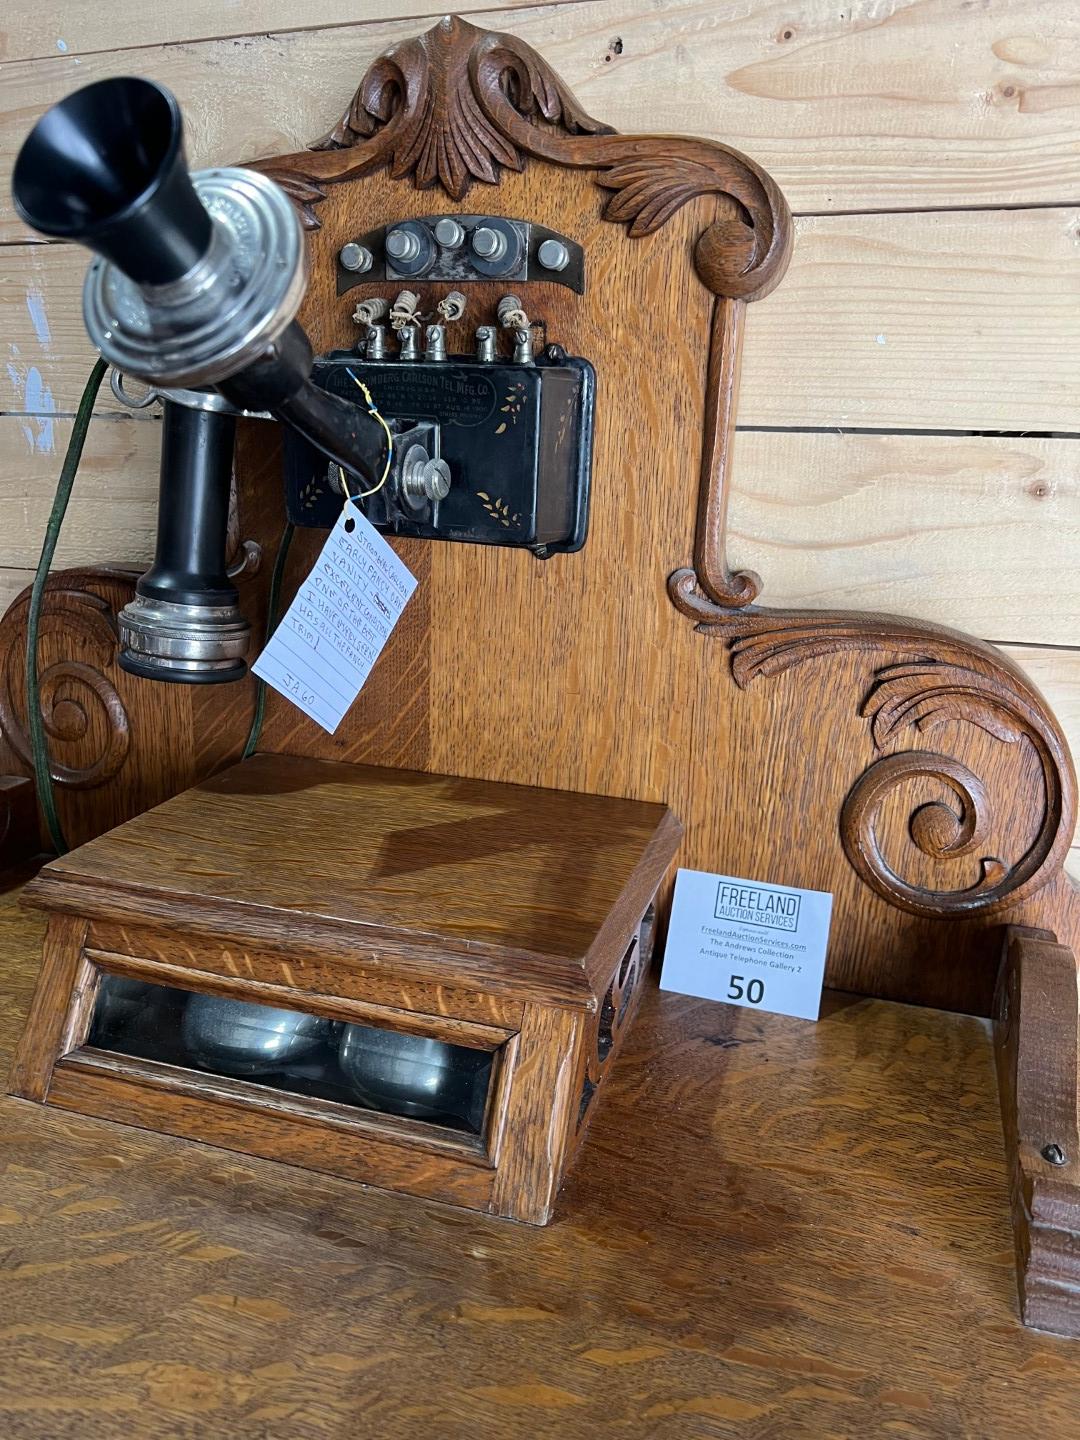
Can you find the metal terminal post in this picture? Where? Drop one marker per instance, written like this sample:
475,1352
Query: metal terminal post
435,348
449,232
368,311
355,257
485,344
376,342
402,245
488,243
410,343
553,255
425,479
523,347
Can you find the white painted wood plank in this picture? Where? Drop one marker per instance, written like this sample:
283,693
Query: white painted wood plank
871,104
981,534
81,27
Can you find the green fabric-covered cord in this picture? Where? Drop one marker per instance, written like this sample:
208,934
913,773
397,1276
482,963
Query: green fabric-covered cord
39,745
271,622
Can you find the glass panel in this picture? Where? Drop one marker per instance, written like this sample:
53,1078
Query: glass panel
358,1065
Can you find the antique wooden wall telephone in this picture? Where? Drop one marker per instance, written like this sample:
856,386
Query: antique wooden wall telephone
595,641
195,292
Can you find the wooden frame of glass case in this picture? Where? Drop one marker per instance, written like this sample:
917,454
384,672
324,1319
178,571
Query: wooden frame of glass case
495,918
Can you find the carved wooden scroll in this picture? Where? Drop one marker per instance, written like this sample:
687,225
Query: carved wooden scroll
947,676
458,104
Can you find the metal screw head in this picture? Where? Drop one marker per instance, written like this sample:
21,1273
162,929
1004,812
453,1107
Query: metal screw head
437,479
402,245
424,478
355,257
553,255
449,232
487,243
1053,1154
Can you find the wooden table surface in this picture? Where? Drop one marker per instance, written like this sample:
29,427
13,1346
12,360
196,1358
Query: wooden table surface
775,1229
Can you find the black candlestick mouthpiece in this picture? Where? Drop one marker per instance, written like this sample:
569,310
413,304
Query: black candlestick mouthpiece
106,167
196,284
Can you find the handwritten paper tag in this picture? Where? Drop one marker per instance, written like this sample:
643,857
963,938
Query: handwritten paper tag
335,629
748,943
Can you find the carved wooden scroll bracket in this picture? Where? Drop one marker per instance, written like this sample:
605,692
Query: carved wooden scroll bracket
71,688
945,676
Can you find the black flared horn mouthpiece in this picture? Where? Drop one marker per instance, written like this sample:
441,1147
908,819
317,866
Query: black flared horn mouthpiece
106,168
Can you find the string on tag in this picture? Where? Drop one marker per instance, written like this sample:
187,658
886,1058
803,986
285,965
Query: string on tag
374,411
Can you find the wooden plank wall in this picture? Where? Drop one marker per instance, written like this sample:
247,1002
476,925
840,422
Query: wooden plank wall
910,418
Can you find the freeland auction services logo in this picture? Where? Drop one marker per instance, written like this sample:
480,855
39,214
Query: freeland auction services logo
757,905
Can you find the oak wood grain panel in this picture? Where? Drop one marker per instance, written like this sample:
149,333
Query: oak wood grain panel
945,528
461,879
261,1101
867,105
775,1230
540,1113
1035,1046
935,321
270,1134
530,677
315,975
32,1067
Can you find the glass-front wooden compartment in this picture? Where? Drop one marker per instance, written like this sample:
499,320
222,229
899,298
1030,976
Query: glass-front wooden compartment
363,1066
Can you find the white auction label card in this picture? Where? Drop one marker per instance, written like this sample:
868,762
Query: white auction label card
335,629
748,943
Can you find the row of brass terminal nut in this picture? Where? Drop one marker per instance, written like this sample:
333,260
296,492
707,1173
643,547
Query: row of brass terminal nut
406,320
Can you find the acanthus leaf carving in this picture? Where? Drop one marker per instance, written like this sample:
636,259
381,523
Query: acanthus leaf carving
416,112
302,190
459,105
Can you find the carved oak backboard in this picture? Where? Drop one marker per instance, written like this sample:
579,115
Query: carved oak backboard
913,772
